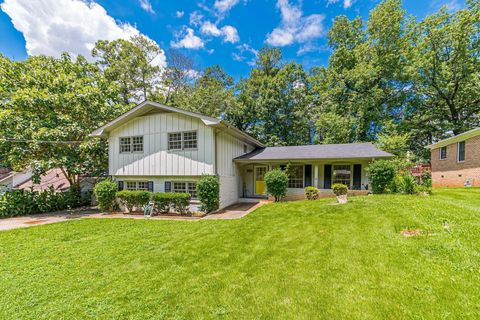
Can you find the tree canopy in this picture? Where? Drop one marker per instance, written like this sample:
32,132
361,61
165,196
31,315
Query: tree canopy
390,79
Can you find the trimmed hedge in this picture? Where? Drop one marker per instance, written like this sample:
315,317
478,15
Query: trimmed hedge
105,192
134,198
381,174
166,201
311,193
25,202
339,189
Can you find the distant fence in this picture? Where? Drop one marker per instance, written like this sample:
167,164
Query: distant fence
420,169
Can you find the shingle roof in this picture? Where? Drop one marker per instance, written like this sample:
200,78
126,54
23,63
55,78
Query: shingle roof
319,151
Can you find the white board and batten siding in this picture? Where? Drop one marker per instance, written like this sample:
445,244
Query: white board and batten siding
228,148
156,159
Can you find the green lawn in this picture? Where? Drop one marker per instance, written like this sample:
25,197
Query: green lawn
289,260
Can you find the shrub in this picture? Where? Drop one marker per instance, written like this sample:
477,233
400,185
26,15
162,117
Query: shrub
311,193
180,202
339,189
409,184
25,202
208,191
133,198
277,183
105,192
423,190
381,174
164,201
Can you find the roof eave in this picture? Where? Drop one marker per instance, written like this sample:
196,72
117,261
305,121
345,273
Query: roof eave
460,137
313,159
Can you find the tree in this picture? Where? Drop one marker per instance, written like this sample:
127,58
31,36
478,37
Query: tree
274,101
444,65
49,108
212,93
135,65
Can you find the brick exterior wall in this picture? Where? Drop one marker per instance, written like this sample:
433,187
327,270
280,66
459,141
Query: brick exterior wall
450,173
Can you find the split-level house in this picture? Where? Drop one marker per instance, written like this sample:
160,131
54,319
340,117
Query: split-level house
165,149
456,160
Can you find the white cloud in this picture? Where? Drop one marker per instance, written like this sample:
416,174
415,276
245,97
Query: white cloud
294,27
451,5
228,33
147,6
346,3
179,14
189,40
245,51
51,27
223,6
196,18
210,29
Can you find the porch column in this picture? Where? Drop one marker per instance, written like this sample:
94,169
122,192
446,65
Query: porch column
315,176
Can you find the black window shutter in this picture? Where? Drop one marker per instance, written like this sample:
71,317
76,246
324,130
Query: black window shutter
150,186
327,172
120,185
357,176
308,175
168,186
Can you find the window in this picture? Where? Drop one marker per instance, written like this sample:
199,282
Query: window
245,148
137,144
443,153
190,140
295,179
131,144
182,140
175,141
461,151
186,187
136,185
125,145
342,174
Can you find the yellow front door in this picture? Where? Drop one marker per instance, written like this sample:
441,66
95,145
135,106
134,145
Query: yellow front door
260,185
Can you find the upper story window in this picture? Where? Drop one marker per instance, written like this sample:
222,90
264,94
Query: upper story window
443,153
131,144
182,140
295,176
245,148
461,151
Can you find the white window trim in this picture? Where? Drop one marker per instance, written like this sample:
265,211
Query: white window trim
303,175
186,186
131,145
182,140
351,173
125,182
458,151
440,153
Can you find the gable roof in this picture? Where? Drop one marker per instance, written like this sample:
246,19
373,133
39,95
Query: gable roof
459,137
148,106
319,151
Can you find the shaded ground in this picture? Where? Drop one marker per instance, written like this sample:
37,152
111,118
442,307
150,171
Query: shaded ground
296,260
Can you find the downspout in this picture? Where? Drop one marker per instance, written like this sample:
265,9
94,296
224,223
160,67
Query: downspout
215,172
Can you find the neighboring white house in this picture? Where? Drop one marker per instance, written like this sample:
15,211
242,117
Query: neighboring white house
160,148
10,180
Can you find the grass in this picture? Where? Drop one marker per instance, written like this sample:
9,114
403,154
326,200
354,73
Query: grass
299,260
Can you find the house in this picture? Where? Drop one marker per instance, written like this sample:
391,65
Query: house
54,178
456,160
10,179
161,148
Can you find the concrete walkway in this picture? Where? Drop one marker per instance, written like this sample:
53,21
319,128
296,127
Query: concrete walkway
235,211
47,218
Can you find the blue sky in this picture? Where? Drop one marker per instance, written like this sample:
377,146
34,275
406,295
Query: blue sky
225,32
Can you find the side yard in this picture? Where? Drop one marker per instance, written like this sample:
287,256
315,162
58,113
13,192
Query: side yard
306,259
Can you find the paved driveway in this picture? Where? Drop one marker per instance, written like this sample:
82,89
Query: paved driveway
39,219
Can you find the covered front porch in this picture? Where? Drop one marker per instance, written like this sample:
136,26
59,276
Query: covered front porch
304,173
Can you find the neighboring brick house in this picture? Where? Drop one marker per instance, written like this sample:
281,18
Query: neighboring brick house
456,160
